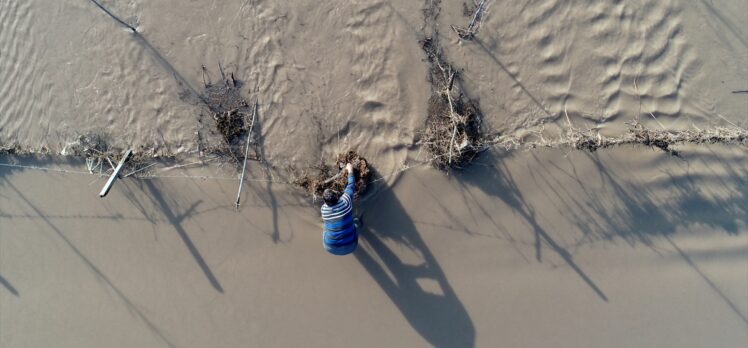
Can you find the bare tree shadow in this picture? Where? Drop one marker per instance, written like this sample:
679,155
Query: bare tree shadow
516,80
628,211
496,181
8,286
644,218
176,221
708,281
187,89
259,148
132,307
436,314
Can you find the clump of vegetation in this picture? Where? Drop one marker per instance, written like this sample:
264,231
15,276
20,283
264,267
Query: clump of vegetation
232,116
453,134
317,179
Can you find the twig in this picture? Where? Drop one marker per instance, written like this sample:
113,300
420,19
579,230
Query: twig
658,121
244,167
451,114
110,162
567,118
730,122
340,173
140,170
472,28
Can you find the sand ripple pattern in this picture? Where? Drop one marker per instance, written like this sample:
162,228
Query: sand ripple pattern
601,62
337,75
24,87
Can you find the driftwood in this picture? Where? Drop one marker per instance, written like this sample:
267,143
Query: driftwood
114,175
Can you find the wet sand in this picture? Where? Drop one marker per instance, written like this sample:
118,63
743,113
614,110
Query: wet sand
626,247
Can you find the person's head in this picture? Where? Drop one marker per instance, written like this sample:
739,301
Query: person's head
330,197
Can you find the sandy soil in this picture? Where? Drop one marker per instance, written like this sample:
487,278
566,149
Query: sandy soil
626,247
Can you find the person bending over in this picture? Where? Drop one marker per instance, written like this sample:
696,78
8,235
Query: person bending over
340,235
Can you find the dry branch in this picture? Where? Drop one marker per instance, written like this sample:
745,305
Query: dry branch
591,140
453,133
469,32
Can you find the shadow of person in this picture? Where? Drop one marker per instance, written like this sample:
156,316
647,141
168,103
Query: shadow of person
420,291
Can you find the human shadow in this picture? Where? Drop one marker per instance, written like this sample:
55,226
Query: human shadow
435,313
495,180
8,286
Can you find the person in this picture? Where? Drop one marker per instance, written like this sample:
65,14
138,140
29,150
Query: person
340,234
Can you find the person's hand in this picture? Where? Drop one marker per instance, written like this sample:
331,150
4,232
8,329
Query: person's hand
349,168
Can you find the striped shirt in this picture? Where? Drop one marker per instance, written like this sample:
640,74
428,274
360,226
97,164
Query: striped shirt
339,235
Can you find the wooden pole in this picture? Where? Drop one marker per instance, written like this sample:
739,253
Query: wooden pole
114,175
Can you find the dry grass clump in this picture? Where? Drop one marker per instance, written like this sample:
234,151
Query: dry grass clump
454,132
324,176
101,156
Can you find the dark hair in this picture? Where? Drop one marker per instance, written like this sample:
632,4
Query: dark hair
330,197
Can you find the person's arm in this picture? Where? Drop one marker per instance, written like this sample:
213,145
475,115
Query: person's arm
351,187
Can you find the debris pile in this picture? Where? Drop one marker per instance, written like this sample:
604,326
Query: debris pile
324,176
454,132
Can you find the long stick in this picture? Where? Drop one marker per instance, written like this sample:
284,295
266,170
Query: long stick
246,151
112,178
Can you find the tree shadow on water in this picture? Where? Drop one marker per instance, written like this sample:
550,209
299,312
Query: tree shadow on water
620,207
437,315
133,307
496,181
176,221
8,286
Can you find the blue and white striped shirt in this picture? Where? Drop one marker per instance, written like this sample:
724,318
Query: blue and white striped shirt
339,235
